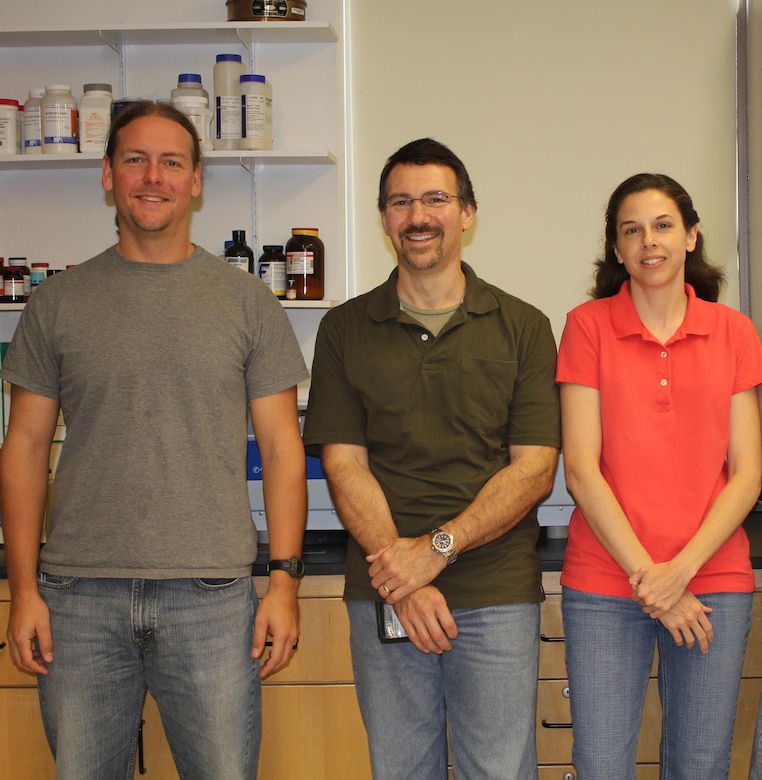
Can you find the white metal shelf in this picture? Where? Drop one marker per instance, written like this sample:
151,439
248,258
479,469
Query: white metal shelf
241,157
116,36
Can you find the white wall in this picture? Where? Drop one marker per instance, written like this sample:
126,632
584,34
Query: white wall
550,105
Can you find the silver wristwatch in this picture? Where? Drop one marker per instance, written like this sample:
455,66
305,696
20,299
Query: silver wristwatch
444,544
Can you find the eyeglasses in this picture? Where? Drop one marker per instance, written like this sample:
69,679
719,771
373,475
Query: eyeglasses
429,200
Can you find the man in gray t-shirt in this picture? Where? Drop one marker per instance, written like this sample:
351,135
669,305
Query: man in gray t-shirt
155,351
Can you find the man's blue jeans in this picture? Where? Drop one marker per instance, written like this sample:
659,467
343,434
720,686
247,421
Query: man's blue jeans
187,640
483,692
609,651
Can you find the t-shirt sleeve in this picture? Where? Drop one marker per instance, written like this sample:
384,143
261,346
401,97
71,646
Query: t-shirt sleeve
534,412
30,361
748,357
335,414
579,352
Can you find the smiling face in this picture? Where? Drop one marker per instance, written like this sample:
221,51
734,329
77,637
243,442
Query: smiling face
153,179
652,240
425,239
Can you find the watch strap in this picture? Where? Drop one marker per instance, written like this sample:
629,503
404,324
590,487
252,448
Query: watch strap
294,566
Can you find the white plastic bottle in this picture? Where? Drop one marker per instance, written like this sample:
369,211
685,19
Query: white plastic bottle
256,112
228,70
198,111
95,117
32,129
189,84
9,124
59,120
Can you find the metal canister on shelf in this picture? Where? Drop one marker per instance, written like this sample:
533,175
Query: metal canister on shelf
272,269
305,264
17,283
266,10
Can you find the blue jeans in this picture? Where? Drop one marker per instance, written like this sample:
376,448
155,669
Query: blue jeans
484,691
609,651
187,640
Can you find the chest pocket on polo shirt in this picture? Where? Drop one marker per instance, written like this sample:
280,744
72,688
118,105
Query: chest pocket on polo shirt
486,389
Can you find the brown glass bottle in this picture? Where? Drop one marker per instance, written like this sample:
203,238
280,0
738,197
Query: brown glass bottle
305,264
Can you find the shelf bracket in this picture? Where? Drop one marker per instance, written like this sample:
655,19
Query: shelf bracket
117,45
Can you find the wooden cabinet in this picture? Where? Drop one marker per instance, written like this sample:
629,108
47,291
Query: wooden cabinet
554,732
312,728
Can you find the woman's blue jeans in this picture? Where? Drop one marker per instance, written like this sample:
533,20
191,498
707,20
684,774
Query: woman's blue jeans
609,652
484,691
187,640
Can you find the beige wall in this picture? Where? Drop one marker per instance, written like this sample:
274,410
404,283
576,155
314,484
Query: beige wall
550,105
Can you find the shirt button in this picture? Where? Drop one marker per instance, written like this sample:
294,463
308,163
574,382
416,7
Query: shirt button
424,336
663,383
663,354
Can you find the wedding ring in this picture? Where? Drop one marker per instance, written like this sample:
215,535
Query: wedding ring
386,589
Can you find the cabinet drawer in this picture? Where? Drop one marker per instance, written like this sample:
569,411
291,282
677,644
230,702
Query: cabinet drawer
312,732
24,751
552,662
555,737
9,674
323,654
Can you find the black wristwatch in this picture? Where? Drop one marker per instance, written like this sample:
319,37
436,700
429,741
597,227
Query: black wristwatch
294,566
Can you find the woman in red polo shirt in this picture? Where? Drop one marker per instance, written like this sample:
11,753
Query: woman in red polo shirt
663,456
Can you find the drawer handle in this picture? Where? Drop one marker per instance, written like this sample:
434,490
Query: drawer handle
544,638
547,725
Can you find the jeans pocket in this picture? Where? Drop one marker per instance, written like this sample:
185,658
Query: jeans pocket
54,581
215,583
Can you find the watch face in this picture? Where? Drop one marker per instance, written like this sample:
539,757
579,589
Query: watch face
442,541
297,567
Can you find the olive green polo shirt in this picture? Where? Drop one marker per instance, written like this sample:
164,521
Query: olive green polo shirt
437,415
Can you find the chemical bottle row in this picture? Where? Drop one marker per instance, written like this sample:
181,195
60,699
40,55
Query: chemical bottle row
21,279
293,272
50,122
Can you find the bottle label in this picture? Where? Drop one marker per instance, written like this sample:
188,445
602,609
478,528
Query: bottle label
273,274
14,288
32,128
256,114
59,124
239,262
228,117
93,130
8,134
300,263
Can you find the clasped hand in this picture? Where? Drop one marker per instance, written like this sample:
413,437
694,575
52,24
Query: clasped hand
403,567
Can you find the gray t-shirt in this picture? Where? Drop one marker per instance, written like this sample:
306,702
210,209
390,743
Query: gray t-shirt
153,366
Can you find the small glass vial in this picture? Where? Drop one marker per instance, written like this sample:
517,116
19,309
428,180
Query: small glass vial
16,280
272,269
59,120
305,264
38,275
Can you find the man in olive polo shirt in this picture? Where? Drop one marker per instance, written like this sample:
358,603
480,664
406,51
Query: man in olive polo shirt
434,404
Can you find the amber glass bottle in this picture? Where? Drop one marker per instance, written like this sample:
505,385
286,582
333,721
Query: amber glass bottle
305,263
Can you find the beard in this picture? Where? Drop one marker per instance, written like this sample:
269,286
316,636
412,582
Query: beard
425,258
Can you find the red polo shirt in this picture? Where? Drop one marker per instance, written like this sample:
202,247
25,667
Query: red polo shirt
665,415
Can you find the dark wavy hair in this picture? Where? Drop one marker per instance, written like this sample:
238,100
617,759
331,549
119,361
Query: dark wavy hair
705,278
427,151
148,108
